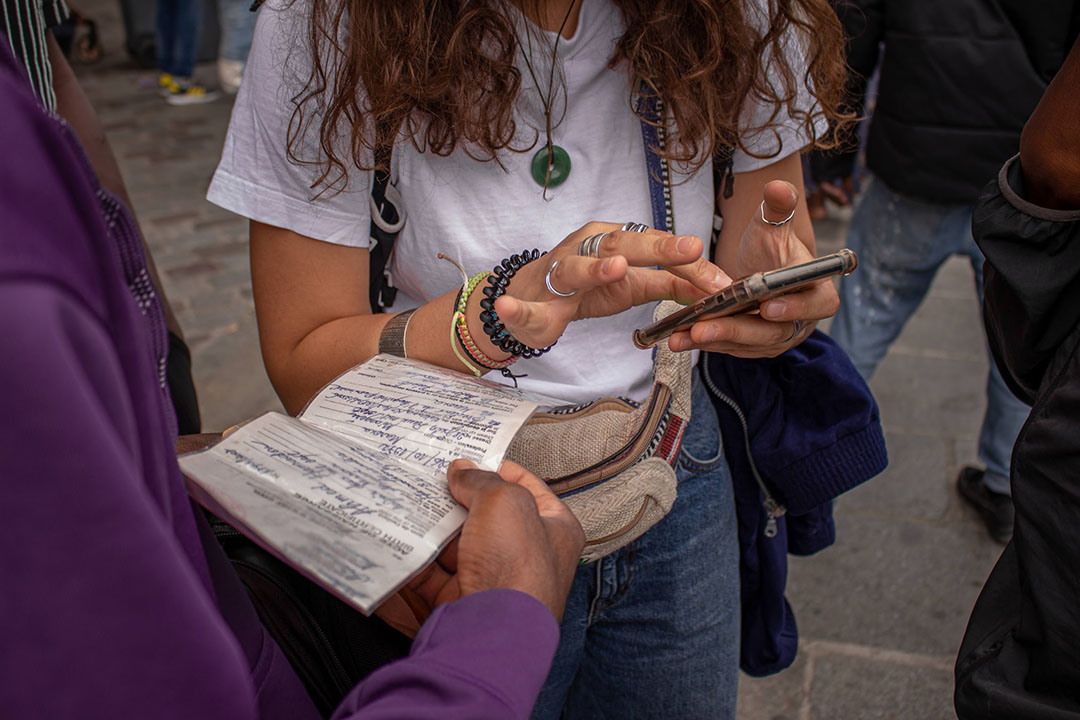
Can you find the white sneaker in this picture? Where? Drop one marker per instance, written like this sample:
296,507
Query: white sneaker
230,73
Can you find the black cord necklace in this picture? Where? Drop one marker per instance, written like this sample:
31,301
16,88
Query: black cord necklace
551,163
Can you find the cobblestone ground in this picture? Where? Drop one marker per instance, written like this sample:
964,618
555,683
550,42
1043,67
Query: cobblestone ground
881,614
167,155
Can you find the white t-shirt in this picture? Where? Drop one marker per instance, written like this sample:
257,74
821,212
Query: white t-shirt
478,212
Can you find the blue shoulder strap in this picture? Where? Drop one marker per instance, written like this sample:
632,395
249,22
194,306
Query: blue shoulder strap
650,109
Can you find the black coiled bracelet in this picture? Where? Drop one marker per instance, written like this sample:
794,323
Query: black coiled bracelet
498,282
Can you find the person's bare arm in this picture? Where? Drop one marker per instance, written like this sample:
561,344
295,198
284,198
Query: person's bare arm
73,105
311,303
1050,144
311,300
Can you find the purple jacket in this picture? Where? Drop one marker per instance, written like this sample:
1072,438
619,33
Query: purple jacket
115,601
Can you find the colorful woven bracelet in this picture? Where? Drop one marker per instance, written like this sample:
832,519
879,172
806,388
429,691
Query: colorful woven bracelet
467,290
455,339
471,366
473,350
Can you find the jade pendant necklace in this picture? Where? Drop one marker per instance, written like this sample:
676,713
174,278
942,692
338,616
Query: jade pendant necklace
551,163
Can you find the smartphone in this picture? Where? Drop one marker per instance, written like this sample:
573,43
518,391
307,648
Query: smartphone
747,294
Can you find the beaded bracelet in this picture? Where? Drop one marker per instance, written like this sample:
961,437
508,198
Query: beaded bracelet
499,279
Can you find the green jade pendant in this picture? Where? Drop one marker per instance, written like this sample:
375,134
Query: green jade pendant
560,166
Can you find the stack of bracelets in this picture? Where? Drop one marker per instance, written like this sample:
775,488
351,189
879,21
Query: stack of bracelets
498,280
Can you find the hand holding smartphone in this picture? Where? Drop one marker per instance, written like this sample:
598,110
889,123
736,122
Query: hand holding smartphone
747,294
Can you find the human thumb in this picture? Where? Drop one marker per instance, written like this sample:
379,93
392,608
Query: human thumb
780,199
468,482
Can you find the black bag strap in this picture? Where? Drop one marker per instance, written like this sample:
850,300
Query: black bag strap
723,172
387,220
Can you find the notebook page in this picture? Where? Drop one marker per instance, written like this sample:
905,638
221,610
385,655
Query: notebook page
352,519
423,414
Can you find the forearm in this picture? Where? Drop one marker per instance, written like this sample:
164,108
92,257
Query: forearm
311,298
338,344
1050,144
485,656
73,105
311,302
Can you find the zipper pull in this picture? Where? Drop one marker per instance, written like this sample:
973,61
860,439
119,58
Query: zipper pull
773,510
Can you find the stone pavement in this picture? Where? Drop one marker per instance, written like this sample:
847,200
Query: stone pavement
167,155
881,614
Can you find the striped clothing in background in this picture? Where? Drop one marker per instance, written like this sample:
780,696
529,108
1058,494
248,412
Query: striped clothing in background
25,22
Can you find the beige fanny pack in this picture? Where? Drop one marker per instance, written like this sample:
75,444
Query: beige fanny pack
612,460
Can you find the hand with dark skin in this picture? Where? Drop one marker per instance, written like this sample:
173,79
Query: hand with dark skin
1050,144
518,536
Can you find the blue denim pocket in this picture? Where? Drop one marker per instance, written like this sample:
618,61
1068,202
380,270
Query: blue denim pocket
701,450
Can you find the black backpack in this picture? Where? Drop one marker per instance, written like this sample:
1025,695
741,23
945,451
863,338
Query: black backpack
331,645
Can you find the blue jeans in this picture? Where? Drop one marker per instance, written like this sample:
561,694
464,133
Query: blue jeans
901,242
178,26
652,631
237,29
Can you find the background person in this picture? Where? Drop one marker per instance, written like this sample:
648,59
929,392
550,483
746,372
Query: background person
957,82
179,24
476,102
237,27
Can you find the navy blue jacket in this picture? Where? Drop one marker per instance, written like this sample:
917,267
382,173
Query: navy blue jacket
798,430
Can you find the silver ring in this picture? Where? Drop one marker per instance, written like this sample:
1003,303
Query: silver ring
635,227
590,246
776,224
796,328
550,287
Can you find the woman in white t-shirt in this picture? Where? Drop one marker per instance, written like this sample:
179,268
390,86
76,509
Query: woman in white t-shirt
516,129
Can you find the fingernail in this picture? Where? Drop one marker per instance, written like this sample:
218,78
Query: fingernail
463,464
708,334
721,280
683,246
774,310
606,267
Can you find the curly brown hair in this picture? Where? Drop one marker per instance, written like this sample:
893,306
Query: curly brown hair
444,72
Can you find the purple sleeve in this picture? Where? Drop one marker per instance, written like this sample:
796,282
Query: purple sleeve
484,656
102,615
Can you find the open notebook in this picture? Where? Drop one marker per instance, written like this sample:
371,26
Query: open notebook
353,491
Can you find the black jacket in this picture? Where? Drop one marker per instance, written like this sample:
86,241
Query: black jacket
958,80
1021,653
